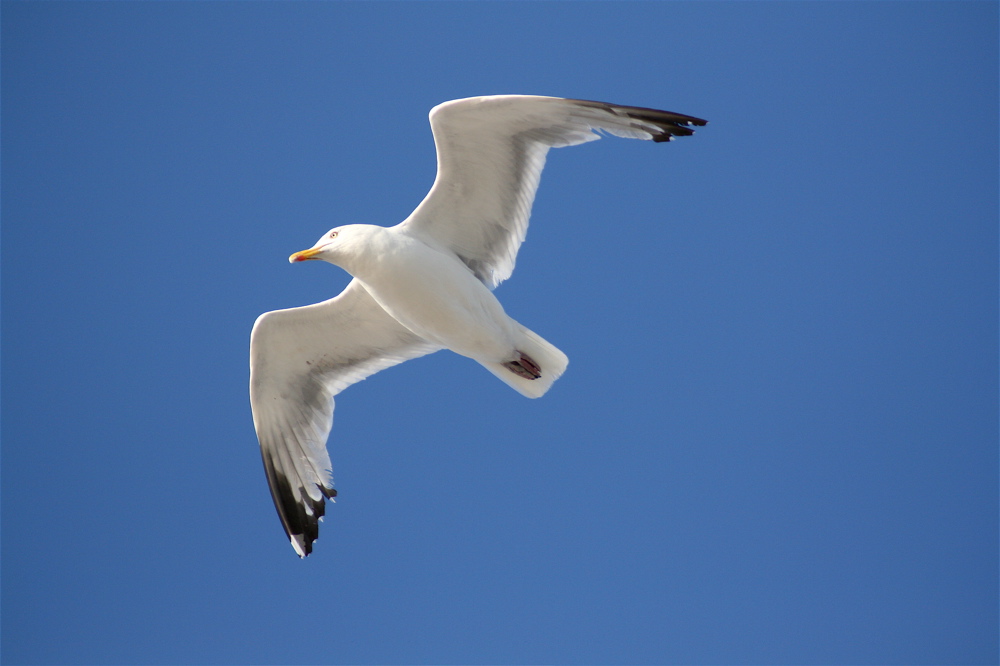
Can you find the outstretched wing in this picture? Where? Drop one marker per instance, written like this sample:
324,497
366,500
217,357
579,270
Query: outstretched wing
299,359
490,153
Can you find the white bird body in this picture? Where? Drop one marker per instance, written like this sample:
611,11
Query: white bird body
422,285
431,292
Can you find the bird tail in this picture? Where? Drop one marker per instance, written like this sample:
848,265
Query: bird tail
551,363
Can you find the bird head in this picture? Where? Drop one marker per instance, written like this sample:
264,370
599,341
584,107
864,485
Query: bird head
324,248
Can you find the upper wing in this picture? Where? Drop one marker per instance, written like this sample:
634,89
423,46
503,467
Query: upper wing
490,153
299,359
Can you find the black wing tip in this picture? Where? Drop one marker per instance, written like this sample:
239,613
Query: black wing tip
302,525
299,518
669,123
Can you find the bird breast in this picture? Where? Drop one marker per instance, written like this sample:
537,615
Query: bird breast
432,293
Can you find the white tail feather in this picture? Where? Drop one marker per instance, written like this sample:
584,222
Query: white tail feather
551,361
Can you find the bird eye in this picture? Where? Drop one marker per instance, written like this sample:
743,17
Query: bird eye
333,234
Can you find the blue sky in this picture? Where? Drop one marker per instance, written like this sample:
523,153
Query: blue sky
777,438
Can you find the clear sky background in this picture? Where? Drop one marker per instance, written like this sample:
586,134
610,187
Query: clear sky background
777,438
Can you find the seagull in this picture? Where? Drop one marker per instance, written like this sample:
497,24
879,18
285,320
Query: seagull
422,285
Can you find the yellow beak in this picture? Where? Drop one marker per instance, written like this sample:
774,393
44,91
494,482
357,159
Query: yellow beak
304,255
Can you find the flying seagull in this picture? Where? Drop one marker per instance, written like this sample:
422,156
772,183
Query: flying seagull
422,285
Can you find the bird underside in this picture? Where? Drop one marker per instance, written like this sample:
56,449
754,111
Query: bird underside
524,367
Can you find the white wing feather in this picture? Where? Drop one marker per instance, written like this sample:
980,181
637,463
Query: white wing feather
490,153
299,359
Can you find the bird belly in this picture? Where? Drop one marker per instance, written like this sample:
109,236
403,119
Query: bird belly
439,299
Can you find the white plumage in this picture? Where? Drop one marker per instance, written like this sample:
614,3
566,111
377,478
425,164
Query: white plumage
422,285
